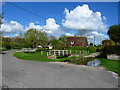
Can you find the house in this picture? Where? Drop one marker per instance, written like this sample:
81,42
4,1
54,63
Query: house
50,46
77,41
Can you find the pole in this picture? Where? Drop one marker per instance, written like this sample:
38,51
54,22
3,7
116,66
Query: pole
94,40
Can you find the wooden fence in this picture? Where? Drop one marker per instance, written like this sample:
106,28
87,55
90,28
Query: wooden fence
63,52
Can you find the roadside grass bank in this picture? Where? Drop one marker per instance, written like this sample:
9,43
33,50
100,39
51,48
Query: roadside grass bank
38,57
112,65
4,49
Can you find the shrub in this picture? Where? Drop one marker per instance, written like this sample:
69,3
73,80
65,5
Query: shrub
107,50
97,50
39,50
91,49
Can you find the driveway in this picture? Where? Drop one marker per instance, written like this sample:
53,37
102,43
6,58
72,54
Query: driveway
33,74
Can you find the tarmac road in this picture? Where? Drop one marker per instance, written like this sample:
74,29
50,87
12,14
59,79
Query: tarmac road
33,74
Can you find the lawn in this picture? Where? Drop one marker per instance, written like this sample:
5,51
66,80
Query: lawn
112,65
3,49
38,57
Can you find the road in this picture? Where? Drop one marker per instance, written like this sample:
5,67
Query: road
33,74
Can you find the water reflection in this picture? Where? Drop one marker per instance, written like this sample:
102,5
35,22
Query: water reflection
94,63
89,61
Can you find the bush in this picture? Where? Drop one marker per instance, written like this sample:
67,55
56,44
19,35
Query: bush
97,50
107,50
6,45
39,50
42,49
91,49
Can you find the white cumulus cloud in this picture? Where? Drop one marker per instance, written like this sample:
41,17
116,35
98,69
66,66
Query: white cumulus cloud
51,25
82,18
69,34
52,28
99,37
33,26
12,27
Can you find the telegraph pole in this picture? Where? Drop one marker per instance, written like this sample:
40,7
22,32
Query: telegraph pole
94,40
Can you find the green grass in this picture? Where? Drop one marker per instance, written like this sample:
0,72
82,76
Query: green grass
4,49
38,57
112,65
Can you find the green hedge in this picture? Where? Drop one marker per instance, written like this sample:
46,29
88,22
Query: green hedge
91,49
107,50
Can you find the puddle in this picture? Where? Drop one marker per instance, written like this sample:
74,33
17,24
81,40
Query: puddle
94,63
89,61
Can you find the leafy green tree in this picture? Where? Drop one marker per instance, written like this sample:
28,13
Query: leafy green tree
108,43
6,45
34,38
17,42
58,43
53,41
63,41
91,44
114,33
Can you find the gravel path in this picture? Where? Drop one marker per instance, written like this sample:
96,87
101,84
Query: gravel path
33,74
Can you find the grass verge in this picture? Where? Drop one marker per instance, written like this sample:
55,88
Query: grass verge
112,65
4,49
38,57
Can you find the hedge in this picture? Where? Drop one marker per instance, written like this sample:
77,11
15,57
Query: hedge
91,49
107,50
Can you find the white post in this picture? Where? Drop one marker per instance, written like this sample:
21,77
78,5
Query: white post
83,51
47,53
59,52
41,52
70,51
54,53
63,52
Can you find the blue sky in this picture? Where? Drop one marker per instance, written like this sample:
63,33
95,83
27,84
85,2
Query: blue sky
56,11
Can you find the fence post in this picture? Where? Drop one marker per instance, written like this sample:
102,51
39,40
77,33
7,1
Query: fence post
80,52
41,52
47,53
83,52
63,52
54,52
76,52
59,52
70,51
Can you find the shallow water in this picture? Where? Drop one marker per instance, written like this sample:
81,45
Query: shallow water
94,63
89,61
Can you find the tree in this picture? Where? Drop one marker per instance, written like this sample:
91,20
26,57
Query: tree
6,42
108,43
114,33
63,41
34,38
91,44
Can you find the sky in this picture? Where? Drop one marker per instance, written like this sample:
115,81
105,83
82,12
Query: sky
60,18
